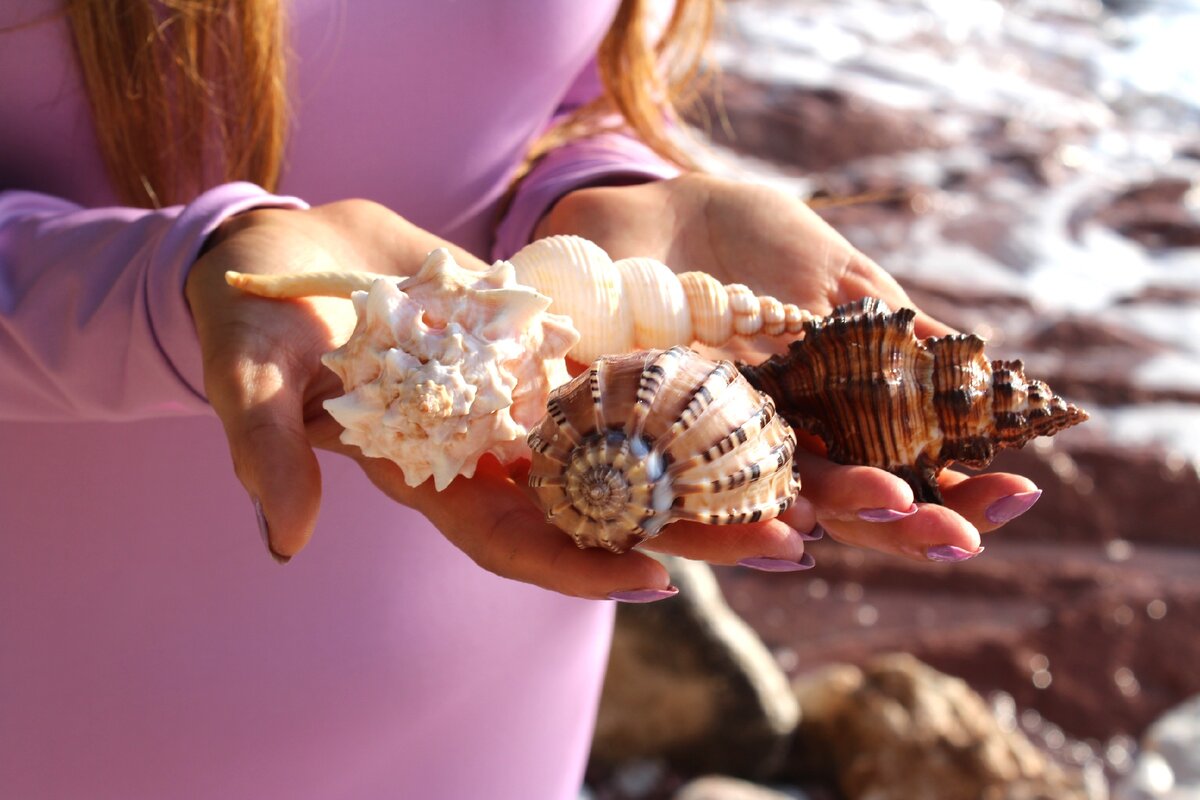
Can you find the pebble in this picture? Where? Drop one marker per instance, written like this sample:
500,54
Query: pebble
1168,765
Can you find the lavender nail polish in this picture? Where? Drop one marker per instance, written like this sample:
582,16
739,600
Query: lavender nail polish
814,535
950,554
885,514
764,564
264,532
1011,507
644,595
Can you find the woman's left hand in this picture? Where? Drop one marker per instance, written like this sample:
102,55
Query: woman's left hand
775,244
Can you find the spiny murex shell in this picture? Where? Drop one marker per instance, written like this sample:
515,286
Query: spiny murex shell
645,438
639,303
444,366
877,395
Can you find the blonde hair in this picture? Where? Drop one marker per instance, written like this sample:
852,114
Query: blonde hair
187,91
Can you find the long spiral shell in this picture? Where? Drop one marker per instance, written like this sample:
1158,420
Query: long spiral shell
877,395
639,303
645,438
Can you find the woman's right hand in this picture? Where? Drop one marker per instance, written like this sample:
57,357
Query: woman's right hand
265,380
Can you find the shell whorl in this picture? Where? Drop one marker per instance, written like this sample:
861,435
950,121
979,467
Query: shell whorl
862,381
645,438
639,303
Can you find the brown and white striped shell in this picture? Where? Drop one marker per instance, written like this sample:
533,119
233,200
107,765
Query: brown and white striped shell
645,438
877,395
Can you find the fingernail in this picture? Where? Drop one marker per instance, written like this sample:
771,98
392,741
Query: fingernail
815,534
885,514
764,564
950,554
1011,507
265,532
644,595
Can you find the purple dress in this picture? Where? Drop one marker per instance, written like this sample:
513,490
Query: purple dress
149,647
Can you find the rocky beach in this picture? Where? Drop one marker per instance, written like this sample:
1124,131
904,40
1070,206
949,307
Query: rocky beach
1030,171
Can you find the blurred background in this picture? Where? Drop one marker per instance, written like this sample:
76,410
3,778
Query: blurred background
1030,171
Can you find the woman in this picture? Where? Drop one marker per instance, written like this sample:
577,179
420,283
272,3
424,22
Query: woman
148,650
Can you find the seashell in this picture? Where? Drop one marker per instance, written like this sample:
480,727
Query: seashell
645,438
877,395
639,303
441,367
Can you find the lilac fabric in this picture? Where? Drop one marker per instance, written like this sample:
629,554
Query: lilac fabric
149,648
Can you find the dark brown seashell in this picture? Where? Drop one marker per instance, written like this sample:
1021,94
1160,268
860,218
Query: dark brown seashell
877,395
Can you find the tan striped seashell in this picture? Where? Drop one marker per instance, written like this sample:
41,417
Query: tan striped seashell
645,438
639,303
877,395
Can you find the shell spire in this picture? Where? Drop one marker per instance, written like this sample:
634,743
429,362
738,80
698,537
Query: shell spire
862,381
645,438
639,303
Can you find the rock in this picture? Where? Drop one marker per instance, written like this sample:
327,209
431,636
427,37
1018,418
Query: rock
1154,214
690,683
721,787
1168,766
812,129
1176,736
899,729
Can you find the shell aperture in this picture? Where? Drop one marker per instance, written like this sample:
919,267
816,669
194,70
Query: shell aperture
862,381
645,438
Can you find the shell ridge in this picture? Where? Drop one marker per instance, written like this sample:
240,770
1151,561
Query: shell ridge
701,398
656,375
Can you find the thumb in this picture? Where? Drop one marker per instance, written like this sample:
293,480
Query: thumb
274,460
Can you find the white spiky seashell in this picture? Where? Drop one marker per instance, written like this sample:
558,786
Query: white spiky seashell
639,303
441,367
646,438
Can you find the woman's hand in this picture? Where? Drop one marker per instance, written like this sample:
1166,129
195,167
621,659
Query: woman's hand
264,378
743,233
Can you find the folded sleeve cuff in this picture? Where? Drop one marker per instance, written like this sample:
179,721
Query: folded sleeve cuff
594,161
166,306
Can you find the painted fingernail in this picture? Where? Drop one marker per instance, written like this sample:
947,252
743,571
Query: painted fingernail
764,564
265,532
1011,507
814,535
644,595
950,554
885,514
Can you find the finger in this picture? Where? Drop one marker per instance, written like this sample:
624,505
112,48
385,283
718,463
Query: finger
931,533
730,544
848,492
990,500
491,519
271,454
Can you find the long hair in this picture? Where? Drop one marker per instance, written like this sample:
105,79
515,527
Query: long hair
183,91
187,91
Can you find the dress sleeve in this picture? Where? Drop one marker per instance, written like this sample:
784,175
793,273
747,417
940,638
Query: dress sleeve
592,161
93,320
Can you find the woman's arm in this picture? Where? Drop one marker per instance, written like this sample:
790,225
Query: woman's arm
93,320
